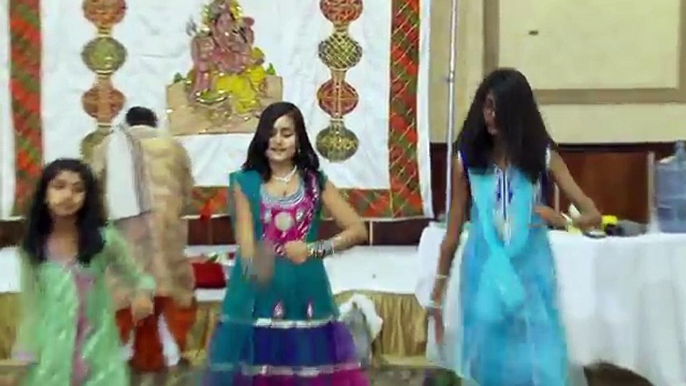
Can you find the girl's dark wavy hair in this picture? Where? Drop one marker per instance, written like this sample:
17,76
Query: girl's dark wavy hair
519,123
306,159
89,219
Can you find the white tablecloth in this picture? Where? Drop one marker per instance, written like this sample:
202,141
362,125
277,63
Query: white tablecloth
380,269
393,269
9,270
623,300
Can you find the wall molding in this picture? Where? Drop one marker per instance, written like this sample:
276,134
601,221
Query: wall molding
587,96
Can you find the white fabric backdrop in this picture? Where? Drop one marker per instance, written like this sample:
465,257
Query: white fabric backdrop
154,33
6,128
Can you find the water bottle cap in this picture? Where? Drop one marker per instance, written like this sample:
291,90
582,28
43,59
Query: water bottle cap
680,150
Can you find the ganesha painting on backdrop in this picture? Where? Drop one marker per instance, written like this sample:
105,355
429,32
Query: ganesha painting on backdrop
229,84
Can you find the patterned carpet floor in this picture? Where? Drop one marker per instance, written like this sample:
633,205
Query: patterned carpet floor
395,376
378,377
387,375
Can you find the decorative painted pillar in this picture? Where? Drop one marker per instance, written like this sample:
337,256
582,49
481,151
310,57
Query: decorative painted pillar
26,52
103,55
336,97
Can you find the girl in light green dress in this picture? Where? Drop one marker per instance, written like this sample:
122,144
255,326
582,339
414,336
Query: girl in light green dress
66,332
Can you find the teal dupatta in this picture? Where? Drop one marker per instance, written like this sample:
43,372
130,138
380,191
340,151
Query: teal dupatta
510,330
500,290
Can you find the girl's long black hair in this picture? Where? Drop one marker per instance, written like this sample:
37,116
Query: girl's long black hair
306,159
518,121
89,219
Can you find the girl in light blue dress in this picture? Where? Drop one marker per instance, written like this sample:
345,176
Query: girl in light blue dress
511,331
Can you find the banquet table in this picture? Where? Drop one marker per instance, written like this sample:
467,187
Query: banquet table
385,274
382,269
623,299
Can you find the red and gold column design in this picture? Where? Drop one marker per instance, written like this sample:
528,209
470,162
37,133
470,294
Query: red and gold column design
336,97
103,55
25,97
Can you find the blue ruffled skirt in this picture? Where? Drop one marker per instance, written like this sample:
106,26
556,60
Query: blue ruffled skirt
282,334
526,346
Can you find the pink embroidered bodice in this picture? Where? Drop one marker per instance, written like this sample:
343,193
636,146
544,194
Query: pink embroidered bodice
288,218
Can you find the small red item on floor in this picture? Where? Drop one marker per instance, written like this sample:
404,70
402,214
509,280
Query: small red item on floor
206,211
209,275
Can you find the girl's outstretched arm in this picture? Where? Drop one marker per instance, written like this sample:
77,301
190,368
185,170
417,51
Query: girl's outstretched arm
353,230
125,266
456,219
590,216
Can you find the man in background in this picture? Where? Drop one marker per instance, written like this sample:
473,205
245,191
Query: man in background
147,182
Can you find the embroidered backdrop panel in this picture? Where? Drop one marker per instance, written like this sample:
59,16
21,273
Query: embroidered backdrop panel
379,56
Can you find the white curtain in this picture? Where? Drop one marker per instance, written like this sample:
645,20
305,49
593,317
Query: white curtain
154,34
6,128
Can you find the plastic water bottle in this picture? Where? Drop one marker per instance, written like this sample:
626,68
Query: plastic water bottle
670,191
680,151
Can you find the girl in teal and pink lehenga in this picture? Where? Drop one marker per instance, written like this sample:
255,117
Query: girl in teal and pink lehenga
279,320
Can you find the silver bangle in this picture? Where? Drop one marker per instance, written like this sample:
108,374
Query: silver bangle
320,249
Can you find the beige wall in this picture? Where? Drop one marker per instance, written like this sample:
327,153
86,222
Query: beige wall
469,61
604,70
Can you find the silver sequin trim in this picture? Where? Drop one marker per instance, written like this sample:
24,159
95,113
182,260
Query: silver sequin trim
287,201
306,372
276,323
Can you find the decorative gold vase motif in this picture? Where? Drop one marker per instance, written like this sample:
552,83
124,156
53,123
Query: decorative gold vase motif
339,52
103,55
